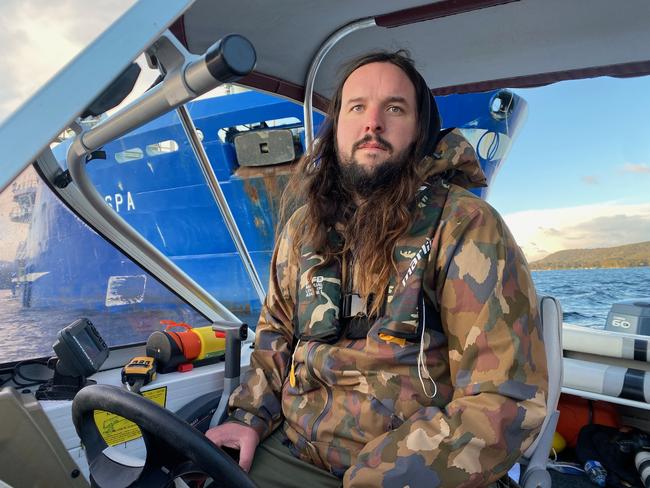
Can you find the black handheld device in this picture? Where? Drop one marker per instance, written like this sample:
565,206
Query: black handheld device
80,349
80,352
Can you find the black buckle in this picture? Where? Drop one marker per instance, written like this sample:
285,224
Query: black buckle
352,306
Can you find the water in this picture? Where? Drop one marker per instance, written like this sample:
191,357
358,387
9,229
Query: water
586,295
28,333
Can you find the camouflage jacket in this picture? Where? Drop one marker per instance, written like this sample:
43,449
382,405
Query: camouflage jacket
358,407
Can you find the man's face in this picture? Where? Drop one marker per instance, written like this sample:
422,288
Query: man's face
377,121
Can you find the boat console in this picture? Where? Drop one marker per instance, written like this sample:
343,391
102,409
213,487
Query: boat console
30,442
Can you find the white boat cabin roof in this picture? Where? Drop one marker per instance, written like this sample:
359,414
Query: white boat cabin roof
459,45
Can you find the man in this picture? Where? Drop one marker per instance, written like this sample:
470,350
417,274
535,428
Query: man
399,343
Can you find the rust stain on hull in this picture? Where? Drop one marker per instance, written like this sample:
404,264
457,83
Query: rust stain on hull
261,225
261,171
251,191
264,187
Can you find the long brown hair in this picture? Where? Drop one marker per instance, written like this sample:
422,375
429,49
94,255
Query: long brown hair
371,228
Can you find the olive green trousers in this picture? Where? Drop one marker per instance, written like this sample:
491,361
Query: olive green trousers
275,466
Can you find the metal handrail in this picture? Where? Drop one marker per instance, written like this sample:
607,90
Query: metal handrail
329,43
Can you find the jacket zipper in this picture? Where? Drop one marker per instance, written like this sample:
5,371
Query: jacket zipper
328,403
309,360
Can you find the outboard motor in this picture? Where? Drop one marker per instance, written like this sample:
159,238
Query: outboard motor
630,316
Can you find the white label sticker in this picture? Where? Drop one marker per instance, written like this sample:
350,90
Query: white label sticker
125,290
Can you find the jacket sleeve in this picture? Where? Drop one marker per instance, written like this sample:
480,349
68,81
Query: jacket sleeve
257,401
497,368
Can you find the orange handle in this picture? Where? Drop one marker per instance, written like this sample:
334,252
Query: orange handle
171,324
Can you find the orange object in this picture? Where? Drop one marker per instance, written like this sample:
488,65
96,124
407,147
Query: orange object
196,343
389,338
187,341
576,412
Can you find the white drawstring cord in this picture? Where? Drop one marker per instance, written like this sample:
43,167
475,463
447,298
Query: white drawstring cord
423,372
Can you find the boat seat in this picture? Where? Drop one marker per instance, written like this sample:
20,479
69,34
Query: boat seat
534,473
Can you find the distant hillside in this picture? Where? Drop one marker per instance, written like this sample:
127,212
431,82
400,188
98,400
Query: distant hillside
608,257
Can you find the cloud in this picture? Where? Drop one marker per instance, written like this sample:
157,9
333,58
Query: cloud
636,168
612,230
551,232
590,180
39,37
541,232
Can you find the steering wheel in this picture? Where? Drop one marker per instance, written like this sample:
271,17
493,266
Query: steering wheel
172,444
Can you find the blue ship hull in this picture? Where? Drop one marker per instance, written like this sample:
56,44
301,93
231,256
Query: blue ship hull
151,178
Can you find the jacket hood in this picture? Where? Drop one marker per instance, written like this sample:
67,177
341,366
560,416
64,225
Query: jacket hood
456,161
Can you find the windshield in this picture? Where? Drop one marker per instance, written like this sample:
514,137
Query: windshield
152,179
55,269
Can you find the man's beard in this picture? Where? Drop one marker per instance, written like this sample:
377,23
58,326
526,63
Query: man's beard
367,181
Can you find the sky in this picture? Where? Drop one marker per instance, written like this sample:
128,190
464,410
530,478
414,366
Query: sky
38,37
577,175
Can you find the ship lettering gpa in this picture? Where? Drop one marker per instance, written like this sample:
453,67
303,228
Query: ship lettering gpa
116,201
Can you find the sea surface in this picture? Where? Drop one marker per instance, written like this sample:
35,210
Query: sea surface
587,295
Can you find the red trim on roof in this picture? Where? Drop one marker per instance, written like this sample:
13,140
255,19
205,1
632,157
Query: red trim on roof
436,10
283,88
625,70
178,29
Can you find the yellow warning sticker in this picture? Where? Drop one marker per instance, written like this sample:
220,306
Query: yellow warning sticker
117,430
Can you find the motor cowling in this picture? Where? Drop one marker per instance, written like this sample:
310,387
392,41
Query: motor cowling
630,317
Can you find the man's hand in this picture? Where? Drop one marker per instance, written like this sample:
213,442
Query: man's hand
236,436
